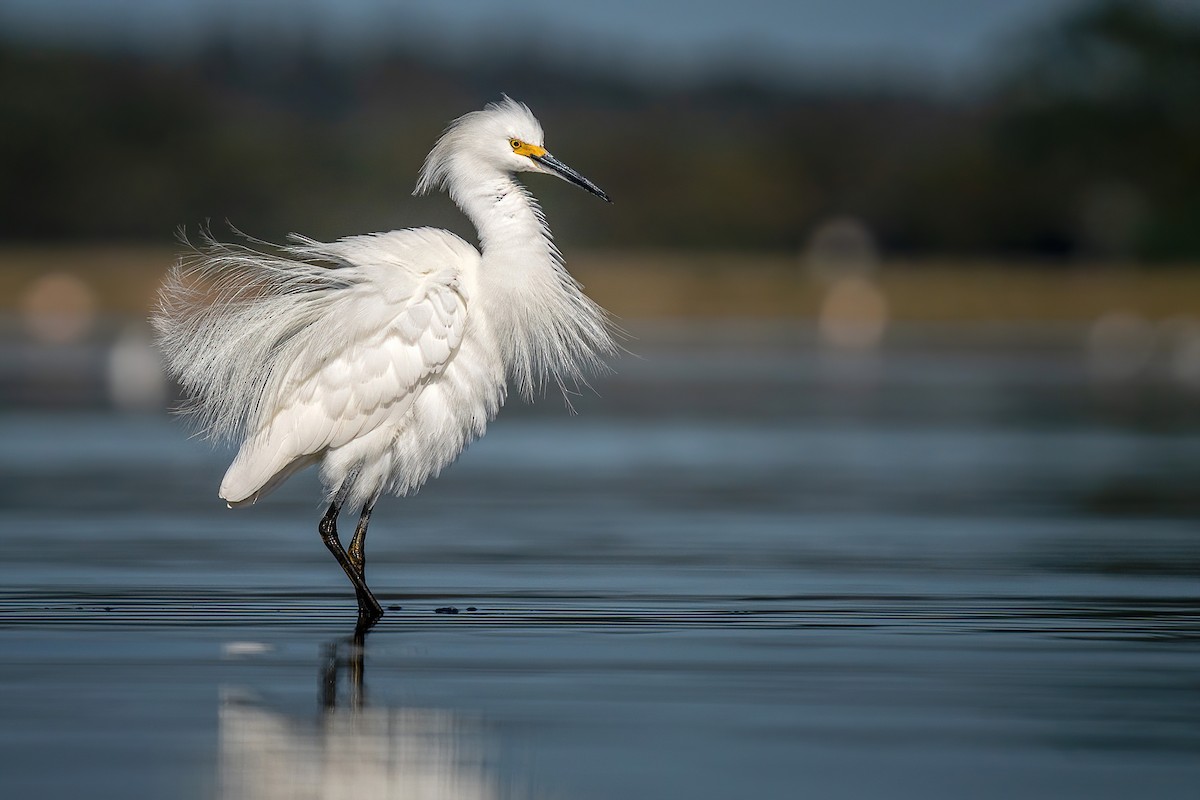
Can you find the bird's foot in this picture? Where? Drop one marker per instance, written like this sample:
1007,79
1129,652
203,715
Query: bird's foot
366,621
369,610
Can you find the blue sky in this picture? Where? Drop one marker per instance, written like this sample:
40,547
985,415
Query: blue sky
934,41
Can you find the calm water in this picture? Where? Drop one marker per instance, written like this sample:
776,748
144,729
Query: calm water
744,571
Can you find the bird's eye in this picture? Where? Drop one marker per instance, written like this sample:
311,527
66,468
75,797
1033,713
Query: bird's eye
516,144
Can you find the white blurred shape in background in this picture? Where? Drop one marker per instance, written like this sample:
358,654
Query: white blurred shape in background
854,314
1182,336
841,247
1120,346
136,381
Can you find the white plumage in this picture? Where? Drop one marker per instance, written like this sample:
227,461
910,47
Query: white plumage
382,356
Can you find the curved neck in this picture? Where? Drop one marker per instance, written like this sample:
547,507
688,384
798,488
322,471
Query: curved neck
544,324
506,218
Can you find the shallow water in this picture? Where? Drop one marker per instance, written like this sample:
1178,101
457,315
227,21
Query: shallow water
741,571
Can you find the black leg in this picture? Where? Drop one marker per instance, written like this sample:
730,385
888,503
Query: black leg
358,544
369,610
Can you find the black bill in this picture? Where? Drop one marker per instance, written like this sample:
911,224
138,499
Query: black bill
568,174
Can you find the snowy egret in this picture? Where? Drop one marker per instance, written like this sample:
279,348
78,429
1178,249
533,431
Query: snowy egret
380,357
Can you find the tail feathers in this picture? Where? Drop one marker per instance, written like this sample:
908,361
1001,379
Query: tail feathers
254,474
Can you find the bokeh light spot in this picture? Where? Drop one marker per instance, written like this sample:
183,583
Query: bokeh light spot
58,309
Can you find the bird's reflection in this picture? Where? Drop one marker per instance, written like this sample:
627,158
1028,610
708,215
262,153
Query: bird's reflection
350,750
344,655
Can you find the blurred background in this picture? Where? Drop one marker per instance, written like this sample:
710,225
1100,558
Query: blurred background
867,214
900,470
852,170
869,217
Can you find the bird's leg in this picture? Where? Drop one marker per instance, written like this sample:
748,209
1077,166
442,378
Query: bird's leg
370,612
358,544
369,609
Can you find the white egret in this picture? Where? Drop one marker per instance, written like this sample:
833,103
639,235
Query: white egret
380,357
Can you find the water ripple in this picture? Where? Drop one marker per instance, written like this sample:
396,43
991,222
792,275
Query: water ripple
1127,618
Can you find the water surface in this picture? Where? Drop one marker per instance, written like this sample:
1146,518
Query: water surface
742,571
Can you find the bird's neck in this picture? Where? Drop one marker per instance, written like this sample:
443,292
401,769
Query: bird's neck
509,223
546,327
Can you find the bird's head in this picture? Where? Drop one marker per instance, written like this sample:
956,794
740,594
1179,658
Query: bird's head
505,136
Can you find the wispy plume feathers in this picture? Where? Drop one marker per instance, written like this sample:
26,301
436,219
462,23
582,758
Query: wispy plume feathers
232,318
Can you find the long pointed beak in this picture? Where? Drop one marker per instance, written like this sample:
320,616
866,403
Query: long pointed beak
568,174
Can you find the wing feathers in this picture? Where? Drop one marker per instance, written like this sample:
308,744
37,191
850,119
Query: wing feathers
299,356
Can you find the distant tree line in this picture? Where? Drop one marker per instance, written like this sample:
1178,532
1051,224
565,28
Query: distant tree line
1088,146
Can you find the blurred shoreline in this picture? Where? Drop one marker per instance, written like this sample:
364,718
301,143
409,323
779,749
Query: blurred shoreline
74,331
122,280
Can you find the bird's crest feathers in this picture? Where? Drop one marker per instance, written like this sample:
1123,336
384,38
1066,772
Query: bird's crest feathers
471,137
